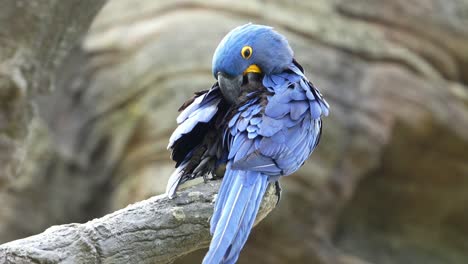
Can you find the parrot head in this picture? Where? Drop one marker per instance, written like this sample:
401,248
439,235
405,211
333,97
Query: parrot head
249,49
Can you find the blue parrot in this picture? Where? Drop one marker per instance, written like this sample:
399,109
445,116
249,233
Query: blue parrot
261,119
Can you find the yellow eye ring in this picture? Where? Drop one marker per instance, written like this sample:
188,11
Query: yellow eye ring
246,52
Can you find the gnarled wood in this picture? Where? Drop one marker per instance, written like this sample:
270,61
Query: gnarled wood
157,230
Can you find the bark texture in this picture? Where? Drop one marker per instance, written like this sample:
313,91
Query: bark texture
387,183
157,230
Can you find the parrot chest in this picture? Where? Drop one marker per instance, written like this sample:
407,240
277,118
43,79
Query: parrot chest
270,132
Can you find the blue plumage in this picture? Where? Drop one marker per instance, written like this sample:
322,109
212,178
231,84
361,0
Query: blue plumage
233,221
263,118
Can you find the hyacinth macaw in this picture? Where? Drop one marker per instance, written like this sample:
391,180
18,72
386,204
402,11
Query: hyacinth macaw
262,119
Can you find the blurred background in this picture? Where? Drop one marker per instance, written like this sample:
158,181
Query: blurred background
388,183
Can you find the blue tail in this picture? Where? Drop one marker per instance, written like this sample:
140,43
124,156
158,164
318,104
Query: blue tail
236,207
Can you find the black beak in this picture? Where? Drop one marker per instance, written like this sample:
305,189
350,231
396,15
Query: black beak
230,86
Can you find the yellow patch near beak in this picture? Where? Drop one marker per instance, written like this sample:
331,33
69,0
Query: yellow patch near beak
252,68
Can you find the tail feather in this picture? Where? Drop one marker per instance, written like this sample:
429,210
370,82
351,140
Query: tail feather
246,225
239,200
174,180
221,198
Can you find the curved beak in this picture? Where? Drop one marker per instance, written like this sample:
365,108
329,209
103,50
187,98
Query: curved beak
230,86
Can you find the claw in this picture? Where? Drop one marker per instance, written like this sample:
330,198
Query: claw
278,191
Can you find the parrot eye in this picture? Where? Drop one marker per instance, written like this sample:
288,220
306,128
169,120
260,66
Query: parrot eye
246,52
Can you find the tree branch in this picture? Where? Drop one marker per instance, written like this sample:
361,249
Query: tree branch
157,230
